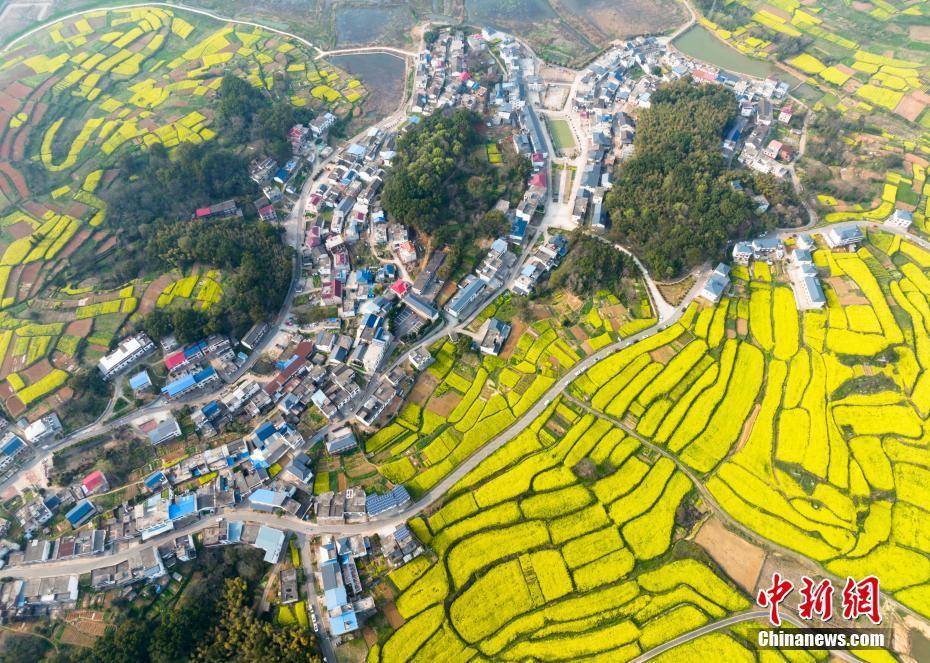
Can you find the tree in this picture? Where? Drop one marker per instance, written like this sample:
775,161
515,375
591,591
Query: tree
240,636
442,184
672,202
591,265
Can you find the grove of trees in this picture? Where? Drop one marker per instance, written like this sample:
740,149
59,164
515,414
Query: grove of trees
591,265
671,202
442,184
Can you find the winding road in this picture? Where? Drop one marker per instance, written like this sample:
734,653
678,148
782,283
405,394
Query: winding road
666,314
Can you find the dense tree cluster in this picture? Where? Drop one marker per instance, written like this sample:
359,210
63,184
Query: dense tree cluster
427,168
214,621
442,185
251,252
149,209
241,636
592,265
672,202
246,115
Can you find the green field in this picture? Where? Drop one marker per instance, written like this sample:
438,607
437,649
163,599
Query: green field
561,133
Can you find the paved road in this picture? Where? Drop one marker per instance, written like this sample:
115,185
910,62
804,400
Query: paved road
749,616
399,52
313,603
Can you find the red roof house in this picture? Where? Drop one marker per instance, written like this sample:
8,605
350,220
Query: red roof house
175,359
95,482
400,287
538,179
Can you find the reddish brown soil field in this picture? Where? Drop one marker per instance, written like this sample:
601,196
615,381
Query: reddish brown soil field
37,371
16,178
15,406
147,305
18,90
80,328
75,243
19,229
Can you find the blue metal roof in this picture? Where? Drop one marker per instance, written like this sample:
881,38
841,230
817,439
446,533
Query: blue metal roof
195,349
264,431
155,480
266,497
178,386
80,512
344,623
140,380
182,506
234,531
210,409
205,374
12,446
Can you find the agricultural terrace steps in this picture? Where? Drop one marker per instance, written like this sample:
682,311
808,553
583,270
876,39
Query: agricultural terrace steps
171,5
747,533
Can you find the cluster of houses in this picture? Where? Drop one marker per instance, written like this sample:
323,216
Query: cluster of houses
343,597
17,449
308,143
798,262
763,106
445,73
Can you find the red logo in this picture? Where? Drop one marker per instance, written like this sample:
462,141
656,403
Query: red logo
817,599
860,599
772,597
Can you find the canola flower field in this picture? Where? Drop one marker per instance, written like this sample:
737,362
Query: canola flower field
73,98
807,428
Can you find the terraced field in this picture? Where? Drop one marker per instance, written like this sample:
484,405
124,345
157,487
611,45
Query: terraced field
464,400
831,463
809,430
74,98
865,60
469,401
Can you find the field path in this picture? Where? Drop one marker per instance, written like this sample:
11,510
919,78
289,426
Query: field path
398,52
170,5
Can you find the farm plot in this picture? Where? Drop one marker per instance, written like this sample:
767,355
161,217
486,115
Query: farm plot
802,428
74,98
472,400
530,567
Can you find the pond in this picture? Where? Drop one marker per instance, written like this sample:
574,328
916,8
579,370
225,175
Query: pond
699,43
381,73
501,13
367,25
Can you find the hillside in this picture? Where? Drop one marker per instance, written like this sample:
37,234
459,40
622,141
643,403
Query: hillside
82,103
